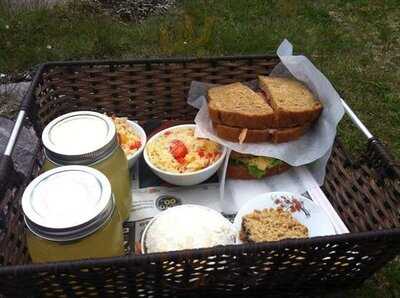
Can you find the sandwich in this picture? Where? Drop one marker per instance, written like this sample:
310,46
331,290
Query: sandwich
245,166
282,111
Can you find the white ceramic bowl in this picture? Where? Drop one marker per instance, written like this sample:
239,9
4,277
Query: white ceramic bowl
143,138
182,213
184,179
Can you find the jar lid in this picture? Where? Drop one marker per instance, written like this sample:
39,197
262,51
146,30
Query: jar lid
67,203
79,138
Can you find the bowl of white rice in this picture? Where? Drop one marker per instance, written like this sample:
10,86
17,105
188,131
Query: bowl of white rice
187,227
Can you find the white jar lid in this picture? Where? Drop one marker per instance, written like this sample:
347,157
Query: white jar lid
67,203
79,138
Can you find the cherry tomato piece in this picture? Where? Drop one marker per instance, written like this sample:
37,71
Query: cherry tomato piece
135,145
200,152
178,149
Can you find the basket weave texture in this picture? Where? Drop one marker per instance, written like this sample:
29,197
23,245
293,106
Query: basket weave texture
364,192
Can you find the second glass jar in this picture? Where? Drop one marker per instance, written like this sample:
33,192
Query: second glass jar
89,138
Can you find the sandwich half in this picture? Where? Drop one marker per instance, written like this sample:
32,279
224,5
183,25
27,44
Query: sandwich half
245,166
293,103
237,105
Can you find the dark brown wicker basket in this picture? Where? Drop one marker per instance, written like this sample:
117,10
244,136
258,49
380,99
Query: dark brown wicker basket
366,195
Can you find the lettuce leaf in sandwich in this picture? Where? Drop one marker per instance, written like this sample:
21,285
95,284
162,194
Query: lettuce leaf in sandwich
257,166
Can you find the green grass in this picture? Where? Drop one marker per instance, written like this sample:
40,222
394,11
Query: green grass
354,43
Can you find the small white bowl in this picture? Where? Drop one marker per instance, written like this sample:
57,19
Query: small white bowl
143,138
184,179
189,210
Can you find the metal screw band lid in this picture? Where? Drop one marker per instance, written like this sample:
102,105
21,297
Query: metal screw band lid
79,138
67,203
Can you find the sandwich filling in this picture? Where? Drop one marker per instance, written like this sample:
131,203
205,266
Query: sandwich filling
257,166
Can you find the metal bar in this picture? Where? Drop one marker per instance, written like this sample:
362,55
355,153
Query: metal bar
24,107
15,133
28,99
356,120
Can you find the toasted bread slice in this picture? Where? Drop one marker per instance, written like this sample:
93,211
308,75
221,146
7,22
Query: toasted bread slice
293,103
237,105
282,135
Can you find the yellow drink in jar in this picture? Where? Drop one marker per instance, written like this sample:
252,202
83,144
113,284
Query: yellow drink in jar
70,214
89,138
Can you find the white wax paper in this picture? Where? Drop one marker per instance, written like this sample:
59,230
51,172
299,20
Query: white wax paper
312,149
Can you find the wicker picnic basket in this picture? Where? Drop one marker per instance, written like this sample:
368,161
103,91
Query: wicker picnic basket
365,192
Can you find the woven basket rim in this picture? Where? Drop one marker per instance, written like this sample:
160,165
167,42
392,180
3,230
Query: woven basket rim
177,59
193,253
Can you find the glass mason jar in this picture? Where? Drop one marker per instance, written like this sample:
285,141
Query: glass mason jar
90,139
70,214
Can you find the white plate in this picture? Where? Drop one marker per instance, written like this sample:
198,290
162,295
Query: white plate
317,222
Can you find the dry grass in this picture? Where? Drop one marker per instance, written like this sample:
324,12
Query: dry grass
27,4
